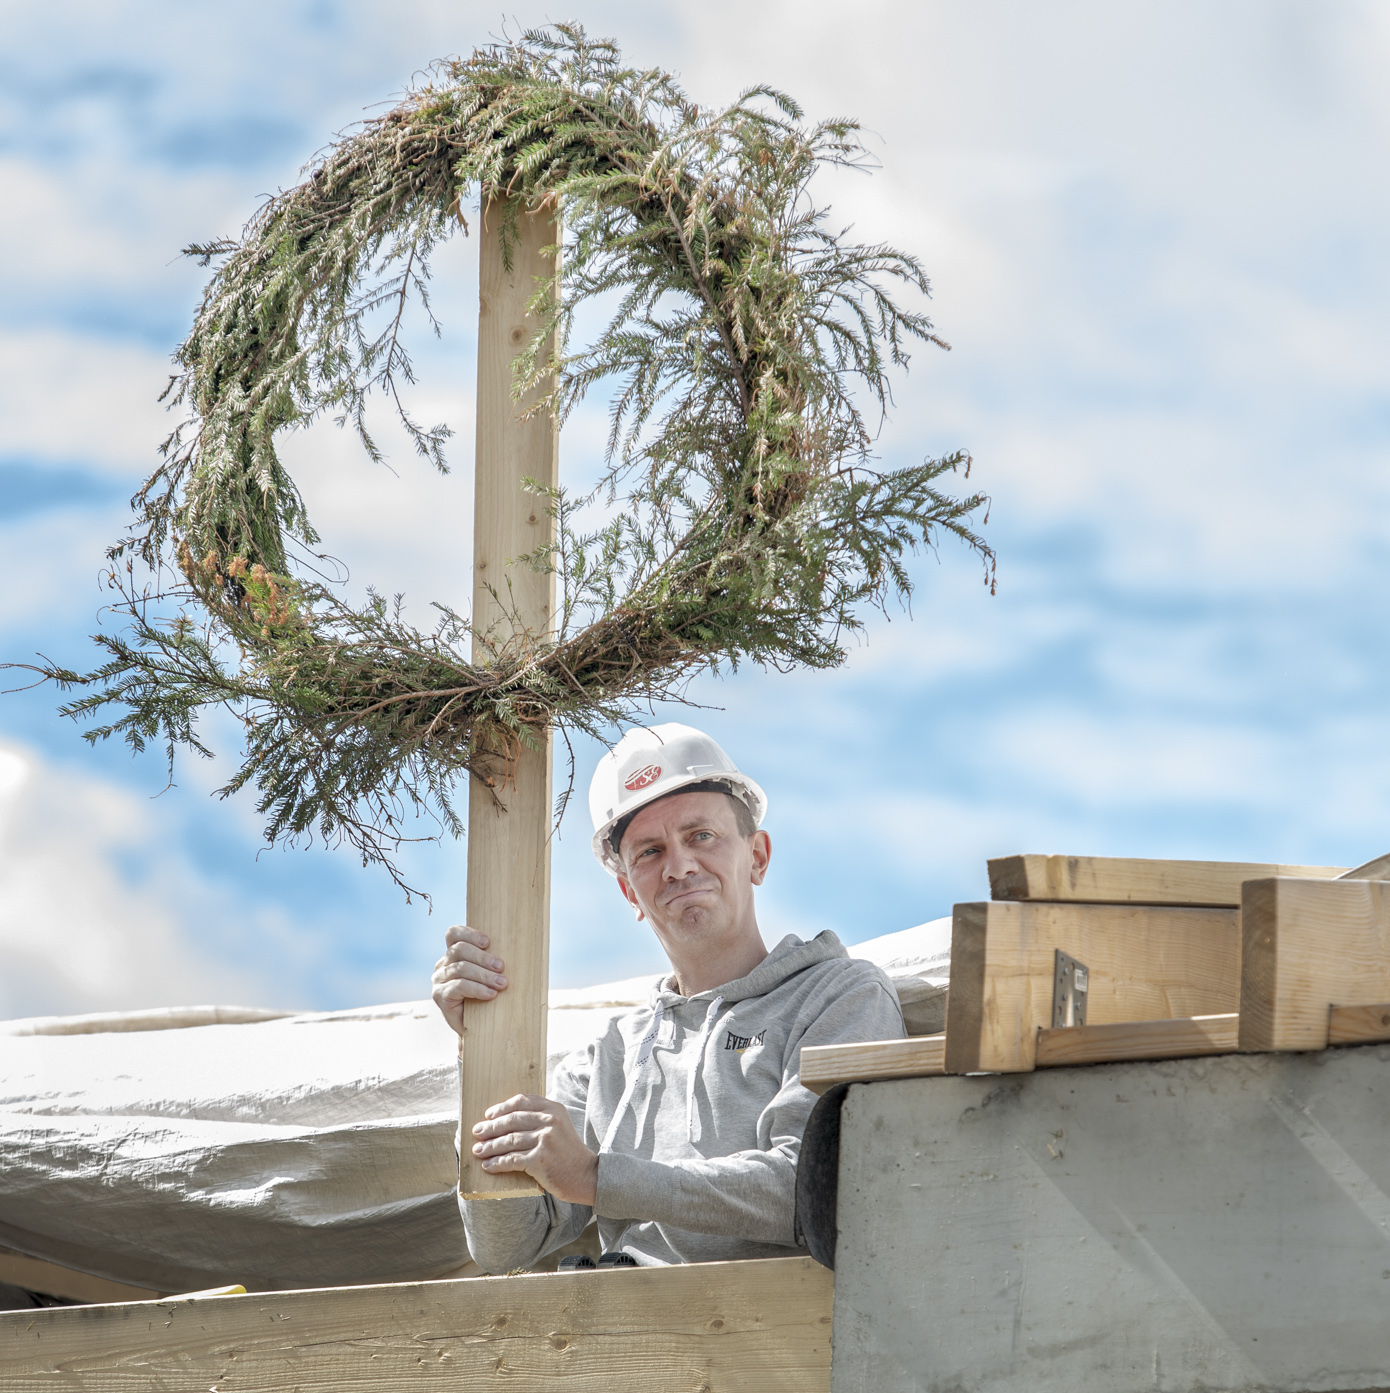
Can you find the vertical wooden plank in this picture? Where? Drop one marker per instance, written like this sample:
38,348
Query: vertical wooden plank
502,1051
1309,945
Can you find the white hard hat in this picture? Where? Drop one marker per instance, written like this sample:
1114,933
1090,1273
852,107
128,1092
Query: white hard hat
648,763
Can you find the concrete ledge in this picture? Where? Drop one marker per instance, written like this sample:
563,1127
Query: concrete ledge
1198,1224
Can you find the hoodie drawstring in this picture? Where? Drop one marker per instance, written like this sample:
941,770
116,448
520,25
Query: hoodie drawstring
644,1053
695,1071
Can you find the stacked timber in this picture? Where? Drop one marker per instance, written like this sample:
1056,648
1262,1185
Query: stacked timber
1179,958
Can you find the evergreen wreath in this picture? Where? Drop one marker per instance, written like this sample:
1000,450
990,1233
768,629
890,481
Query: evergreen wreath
743,337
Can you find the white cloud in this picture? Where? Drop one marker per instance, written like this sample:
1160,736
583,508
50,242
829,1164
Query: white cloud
72,397
1156,249
75,935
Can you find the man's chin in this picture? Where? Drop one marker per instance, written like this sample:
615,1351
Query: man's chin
690,920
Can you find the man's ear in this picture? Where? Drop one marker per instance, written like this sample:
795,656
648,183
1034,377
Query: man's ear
627,894
761,845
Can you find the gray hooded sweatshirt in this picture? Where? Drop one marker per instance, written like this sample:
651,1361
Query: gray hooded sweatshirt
695,1106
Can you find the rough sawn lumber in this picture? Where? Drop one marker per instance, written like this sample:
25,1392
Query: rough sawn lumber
503,1050
1358,1025
1107,1044
735,1327
1146,963
53,1279
1123,880
823,1066
1309,945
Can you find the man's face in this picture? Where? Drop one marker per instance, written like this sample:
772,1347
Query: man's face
689,871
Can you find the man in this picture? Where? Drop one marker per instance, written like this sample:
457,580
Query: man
681,1127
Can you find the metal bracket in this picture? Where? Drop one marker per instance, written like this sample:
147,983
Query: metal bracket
1069,984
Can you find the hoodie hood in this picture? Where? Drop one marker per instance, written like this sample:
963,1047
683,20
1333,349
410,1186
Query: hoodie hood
790,956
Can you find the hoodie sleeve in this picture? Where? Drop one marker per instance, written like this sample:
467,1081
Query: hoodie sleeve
752,1194
505,1234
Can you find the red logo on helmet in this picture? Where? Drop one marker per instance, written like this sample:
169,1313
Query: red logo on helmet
642,778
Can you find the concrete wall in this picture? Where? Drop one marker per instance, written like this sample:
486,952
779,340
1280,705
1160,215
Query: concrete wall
1206,1224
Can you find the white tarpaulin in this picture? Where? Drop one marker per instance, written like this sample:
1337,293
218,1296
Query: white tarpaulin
310,1150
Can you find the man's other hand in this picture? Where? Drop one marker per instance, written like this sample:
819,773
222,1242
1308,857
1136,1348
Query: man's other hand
466,972
535,1135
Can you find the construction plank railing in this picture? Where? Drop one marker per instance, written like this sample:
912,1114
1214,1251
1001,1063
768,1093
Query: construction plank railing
736,1327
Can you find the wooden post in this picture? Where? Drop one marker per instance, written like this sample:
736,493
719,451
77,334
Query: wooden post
502,1050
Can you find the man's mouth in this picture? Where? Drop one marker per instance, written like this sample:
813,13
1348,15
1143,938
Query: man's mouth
686,894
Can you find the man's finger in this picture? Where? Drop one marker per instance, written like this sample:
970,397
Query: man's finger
461,933
495,1127
471,971
518,1141
470,953
513,1162
462,989
530,1102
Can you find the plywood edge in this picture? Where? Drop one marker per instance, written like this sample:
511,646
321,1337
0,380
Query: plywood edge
1259,954
1358,1025
1172,1039
823,1066
965,1002
1009,877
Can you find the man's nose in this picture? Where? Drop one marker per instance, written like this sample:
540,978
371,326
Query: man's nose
680,863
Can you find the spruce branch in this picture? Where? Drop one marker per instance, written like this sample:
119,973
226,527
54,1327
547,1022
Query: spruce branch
744,344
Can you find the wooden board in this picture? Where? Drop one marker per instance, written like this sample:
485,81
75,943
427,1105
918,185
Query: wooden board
825,1065
1119,880
1309,945
1146,963
1358,1025
509,807
53,1279
1107,1044
737,1327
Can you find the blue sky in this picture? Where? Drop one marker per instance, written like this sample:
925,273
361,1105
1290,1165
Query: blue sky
1157,239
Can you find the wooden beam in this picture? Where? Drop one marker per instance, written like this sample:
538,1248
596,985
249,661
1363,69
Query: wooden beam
1118,880
825,1065
53,1279
730,1327
159,1018
1307,945
502,1052
1107,1044
1358,1025
1146,963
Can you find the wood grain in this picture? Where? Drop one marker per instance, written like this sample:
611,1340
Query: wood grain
738,1327
1358,1025
1104,1044
502,1052
825,1065
1120,880
53,1279
1146,963
1309,945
